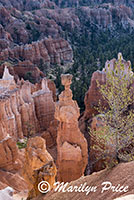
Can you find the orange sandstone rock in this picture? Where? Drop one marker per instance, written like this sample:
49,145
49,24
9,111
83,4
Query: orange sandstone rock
51,51
44,105
38,166
71,144
9,155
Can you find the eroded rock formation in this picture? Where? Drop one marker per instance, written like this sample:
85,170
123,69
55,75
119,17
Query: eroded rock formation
23,113
14,180
19,118
44,106
10,165
30,123
9,116
9,155
23,70
51,134
17,112
49,50
7,80
39,165
71,144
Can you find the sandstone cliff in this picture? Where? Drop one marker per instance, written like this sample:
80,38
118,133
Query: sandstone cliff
9,159
44,106
20,113
28,38
108,16
10,165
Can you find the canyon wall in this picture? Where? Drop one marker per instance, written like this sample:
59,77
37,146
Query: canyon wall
48,50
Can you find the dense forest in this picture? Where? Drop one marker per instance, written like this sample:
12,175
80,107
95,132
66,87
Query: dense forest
77,3
91,51
93,44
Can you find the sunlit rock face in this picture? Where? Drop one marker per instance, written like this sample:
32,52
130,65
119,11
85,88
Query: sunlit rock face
19,118
127,197
44,105
10,165
18,110
71,144
7,80
39,165
9,155
25,108
10,118
7,193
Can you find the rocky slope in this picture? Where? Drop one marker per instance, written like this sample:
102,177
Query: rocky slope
121,174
